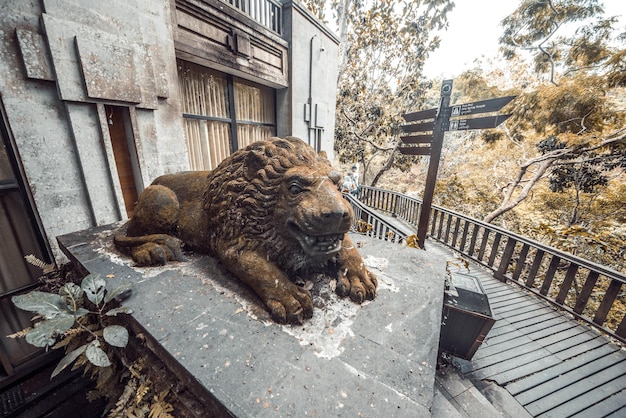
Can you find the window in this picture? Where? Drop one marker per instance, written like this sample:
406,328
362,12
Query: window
222,113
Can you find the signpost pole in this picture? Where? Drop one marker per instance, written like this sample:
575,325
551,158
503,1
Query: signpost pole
423,123
441,125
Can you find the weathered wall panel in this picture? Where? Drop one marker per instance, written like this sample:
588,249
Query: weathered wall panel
38,124
93,160
34,55
92,64
108,70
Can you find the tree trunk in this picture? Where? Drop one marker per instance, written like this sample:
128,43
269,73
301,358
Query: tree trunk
574,216
343,9
385,168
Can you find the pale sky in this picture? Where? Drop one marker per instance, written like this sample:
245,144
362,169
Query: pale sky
474,30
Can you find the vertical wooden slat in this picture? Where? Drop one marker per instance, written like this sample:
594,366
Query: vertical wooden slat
448,226
483,244
455,233
466,225
505,260
416,213
567,282
521,262
621,329
585,293
530,280
607,302
472,246
433,223
494,249
547,281
439,222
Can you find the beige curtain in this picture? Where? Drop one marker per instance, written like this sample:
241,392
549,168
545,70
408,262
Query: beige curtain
204,95
254,105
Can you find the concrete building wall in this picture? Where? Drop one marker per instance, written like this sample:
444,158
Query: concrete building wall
63,63
309,103
60,63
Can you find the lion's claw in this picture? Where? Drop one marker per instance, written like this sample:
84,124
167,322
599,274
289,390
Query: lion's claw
294,308
360,284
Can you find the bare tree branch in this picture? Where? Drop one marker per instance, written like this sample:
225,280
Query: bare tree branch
543,163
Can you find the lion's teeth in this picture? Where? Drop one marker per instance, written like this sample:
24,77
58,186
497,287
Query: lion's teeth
324,243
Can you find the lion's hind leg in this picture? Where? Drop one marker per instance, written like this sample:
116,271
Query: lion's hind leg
151,250
148,235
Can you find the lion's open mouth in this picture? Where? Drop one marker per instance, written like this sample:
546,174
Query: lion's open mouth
324,243
316,245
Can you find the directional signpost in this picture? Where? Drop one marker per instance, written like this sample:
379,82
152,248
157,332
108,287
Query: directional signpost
438,121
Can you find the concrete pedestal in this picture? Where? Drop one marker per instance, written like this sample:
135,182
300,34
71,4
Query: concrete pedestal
377,359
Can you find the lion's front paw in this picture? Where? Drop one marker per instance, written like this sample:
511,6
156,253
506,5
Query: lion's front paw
357,282
293,305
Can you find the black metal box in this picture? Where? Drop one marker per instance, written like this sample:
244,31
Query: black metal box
466,318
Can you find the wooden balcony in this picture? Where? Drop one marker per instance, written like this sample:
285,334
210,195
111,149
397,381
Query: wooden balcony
266,12
549,349
564,280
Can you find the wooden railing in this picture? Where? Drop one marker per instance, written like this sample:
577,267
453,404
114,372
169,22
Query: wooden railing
266,12
588,291
368,222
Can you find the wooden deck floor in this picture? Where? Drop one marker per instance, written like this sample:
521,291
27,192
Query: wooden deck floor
552,365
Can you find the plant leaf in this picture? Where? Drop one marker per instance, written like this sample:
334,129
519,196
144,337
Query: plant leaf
94,286
72,295
118,291
81,312
44,332
45,304
68,359
116,335
96,355
120,309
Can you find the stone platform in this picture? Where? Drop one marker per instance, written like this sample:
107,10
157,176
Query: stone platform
376,360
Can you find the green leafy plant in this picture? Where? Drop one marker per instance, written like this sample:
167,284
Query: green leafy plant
68,315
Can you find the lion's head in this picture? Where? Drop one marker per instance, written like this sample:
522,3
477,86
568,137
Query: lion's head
281,197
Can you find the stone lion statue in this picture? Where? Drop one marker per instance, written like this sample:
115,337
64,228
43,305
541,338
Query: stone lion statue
270,212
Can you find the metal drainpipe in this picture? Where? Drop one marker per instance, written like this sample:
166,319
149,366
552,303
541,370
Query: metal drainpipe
311,110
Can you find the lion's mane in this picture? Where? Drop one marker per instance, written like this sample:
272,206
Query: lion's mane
243,190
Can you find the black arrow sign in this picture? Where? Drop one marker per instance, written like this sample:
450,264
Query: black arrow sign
422,114
418,127
477,123
483,106
417,139
414,150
